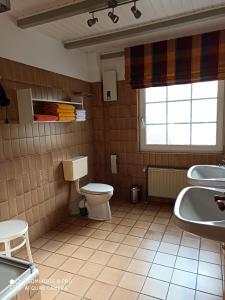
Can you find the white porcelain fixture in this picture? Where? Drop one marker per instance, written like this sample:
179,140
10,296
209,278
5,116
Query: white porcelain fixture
207,175
197,212
96,194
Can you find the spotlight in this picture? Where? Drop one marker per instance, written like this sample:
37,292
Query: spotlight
136,12
92,21
113,17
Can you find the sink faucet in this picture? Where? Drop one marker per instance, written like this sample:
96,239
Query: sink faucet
220,201
222,164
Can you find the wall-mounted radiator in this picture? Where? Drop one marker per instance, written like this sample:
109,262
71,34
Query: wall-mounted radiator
166,183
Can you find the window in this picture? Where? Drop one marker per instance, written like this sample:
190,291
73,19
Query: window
187,117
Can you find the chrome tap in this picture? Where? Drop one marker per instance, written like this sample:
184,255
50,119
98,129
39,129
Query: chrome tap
222,164
220,201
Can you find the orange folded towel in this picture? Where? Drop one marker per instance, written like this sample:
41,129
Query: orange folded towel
54,107
66,115
38,117
67,118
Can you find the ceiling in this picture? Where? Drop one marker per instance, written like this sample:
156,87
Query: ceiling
75,27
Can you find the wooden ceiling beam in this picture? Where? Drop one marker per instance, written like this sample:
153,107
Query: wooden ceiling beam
146,29
63,12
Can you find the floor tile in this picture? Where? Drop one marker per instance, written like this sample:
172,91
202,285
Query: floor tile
100,257
40,255
72,265
149,244
122,294
45,272
116,237
54,260
186,264
40,242
154,235
178,292
48,293
210,270
142,224
60,278
107,226
160,272
209,285
155,288
165,259
184,278
139,232
110,275
132,282
205,296
171,238
77,240
108,246
119,262
62,237
139,267
90,270
168,248
126,250
122,229
128,222
188,252
92,243
79,285
83,253
100,291
66,296
210,257
145,254
157,227
145,297
100,234
67,249
159,220
132,240
86,231
210,245
190,242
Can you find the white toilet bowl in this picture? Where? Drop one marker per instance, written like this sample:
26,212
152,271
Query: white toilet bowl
98,196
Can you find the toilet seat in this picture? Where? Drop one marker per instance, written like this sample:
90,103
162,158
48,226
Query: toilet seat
97,188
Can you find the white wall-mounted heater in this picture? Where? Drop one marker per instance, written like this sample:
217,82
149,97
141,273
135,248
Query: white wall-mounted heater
109,85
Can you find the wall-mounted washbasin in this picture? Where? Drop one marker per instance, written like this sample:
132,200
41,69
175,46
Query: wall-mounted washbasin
207,175
197,212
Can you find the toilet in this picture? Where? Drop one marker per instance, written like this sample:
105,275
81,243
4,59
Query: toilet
97,195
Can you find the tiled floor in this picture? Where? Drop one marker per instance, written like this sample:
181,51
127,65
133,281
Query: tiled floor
140,254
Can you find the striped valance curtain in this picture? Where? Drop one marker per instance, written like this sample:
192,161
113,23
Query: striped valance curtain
183,60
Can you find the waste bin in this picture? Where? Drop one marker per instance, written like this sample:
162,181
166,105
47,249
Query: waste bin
135,193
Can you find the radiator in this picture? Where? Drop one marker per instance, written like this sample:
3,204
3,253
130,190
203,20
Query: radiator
166,183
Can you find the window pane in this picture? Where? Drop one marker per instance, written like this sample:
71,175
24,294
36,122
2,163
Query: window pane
204,134
179,92
179,112
208,89
156,134
156,94
204,110
156,113
179,134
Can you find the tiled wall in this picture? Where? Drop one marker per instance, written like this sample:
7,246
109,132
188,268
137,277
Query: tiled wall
116,131
31,176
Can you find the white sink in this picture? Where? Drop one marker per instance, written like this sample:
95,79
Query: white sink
197,212
207,175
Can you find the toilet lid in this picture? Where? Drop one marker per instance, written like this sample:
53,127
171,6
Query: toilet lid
97,188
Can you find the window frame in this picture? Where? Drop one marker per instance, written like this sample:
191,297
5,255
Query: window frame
183,148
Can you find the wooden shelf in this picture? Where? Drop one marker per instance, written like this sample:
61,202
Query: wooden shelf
26,107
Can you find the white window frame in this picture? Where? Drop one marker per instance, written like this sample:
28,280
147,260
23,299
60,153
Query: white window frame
184,148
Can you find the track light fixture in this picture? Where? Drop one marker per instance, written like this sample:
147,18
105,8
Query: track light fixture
112,4
136,12
92,21
113,17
